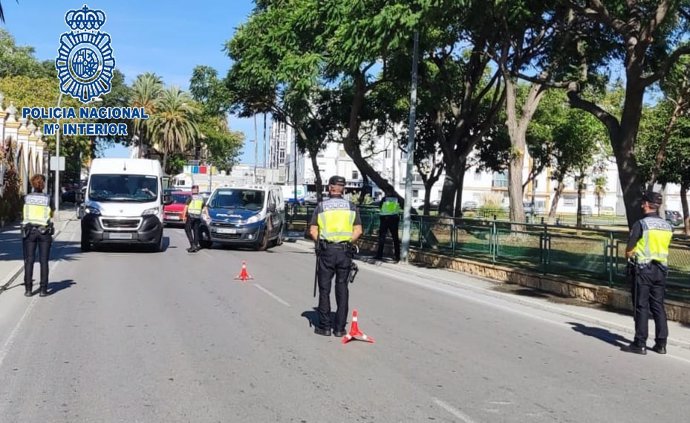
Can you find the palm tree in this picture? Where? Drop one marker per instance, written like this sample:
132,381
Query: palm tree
174,125
146,91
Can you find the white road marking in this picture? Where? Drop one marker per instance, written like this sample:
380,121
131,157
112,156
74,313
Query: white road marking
10,339
274,296
454,411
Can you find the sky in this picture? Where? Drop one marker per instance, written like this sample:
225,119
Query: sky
168,38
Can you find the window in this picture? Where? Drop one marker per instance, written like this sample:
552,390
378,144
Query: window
355,174
569,200
415,193
500,180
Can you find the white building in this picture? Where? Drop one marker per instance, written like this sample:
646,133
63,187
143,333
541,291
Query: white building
391,163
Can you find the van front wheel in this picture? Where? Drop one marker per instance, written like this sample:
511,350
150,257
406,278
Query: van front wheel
263,242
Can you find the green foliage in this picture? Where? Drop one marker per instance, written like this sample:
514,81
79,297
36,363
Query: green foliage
10,198
19,60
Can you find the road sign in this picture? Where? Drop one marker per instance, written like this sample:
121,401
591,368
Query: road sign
54,163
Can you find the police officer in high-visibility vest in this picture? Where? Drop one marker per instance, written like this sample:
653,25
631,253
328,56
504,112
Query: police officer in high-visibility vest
389,221
37,231
192,226
647,252
335,226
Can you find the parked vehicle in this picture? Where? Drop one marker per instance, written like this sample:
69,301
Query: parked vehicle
469,206
674,218
176,213
123,203
245,216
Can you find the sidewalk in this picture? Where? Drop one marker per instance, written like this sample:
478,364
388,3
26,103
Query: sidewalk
679,333
11,254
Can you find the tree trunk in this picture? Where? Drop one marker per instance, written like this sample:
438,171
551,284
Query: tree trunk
580,184
556,197
318,183
684,204
455,173
427,196
165,161
515,193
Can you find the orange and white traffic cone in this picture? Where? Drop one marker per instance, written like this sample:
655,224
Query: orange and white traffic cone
244,275
355,333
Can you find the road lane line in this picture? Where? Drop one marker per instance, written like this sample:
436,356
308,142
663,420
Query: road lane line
10,339
454,411
272,295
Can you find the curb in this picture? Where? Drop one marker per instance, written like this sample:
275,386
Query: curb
4,286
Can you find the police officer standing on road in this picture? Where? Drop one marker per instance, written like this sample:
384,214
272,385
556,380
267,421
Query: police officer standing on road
647,251
334,226
389,221
37,231
192,226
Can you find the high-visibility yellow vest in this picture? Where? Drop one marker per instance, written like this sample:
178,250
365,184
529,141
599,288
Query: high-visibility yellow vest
36,210
336,220
195,205
655,240
390,206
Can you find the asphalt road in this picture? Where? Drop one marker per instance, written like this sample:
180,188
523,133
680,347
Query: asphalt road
172,337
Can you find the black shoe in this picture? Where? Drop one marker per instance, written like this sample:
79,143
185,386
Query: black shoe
320,331
339,333
635,349
28,293
43,291
191,250
659,349
197,248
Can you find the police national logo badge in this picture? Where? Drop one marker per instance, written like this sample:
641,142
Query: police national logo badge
85,60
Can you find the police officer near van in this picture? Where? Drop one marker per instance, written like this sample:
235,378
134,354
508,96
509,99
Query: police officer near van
192,226
37,231
389,221
335,226
647,254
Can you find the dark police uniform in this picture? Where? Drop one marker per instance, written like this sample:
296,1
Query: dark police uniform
389,221
650,238
336,219
192,226
37,231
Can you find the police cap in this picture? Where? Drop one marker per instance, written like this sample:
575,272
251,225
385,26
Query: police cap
336,180
652,197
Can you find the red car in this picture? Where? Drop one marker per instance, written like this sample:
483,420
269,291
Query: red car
176,213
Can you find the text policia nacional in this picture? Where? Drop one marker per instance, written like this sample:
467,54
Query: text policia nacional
90,128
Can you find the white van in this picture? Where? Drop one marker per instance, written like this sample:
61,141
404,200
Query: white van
123,203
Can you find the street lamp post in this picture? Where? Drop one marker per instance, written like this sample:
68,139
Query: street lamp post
405,247
57,166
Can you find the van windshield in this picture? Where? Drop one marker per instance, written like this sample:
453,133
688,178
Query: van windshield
134,188
249,199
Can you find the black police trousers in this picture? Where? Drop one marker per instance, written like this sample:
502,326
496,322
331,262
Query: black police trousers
390,224
31,241
334,259
648,294
192,229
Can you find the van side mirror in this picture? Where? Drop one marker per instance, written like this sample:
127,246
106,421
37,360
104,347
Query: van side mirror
167,199
78,197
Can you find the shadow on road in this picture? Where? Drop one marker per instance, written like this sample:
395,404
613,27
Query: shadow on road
313,316
54,287
601,334
128,248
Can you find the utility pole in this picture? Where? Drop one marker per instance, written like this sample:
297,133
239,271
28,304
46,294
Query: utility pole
256,147
264,158
405,247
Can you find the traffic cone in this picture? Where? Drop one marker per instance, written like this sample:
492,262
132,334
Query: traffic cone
355,333
244,275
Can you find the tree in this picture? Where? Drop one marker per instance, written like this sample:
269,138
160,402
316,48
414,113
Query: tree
174,125
676,88
643,36
16,60
146,92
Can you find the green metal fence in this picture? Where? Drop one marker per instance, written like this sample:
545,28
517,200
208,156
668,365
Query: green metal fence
595,256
